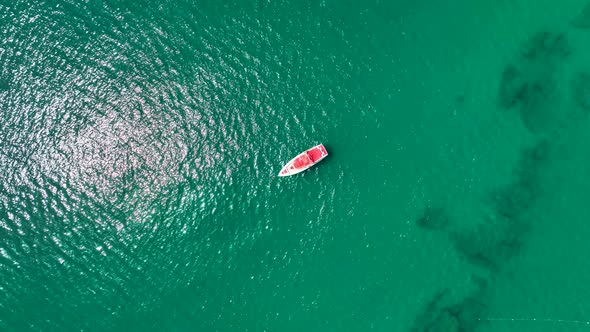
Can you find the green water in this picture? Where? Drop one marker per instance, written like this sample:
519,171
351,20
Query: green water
140,144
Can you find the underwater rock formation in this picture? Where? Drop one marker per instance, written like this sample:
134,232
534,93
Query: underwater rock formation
580,86
582,21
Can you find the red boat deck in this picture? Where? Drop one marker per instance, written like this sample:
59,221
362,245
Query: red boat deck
316,154
302,161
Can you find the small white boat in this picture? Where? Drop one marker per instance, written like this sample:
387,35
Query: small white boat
304,160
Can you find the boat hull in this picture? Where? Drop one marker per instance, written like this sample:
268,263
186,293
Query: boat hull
304,160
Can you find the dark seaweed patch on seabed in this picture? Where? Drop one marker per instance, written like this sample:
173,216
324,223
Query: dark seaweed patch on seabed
530,84
518,196
489,245
499,237
433,218
582,21
444,314
547,46
580,87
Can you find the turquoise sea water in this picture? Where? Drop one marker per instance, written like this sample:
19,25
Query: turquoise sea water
140,144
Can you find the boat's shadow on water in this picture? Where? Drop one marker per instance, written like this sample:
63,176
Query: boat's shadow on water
329,150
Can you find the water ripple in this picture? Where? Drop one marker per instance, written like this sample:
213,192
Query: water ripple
141,155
